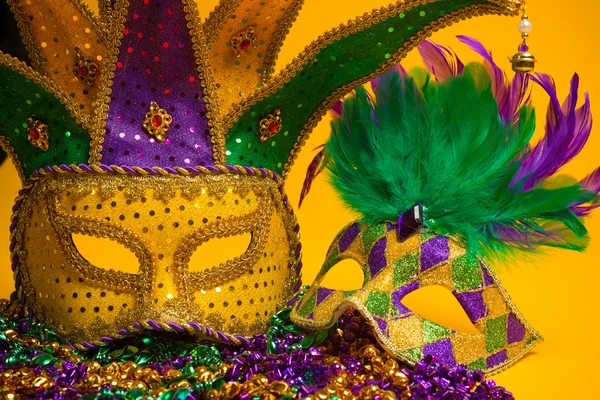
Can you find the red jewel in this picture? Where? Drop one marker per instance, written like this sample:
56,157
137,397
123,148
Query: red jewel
83,70
34,133
245,44
157,120
273,127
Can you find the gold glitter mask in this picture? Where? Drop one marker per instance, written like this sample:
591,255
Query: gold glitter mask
163,220
392,270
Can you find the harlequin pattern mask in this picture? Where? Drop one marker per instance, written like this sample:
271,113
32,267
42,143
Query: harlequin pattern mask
392,270
439,164
146,108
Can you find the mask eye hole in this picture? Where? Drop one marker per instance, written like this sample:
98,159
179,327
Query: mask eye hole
217,251
438,305
345,275
106,253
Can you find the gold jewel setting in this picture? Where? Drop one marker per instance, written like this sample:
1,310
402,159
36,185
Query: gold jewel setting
37,133
157,122
270,125
244,42
85,69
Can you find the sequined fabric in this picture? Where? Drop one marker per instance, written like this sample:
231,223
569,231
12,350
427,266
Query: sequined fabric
156,63
163,221
393,269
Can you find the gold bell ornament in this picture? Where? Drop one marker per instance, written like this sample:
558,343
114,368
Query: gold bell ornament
524,62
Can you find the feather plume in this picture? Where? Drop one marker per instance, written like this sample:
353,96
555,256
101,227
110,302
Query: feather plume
452,146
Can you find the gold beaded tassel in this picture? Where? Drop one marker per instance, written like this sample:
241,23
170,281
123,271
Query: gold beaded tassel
524,62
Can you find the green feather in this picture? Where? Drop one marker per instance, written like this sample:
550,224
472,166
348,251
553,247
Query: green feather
443,145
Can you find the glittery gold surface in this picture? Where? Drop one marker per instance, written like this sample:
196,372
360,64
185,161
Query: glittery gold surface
401,331
239,74
54,33
162,220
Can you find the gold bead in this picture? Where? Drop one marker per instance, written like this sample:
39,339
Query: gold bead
11,334
279,388
140,385
74,359
331,360
9,395
24,372
181,384
64,350
388,395
322,395
309,397
138,373
41,382
92,367
377,363
223,369
390,367
368,391
399,379
94,380
523,62
51,347
230,389
206,376
267,396
31,341
127,384
159,392
212,395
368,351
172,374
346,394
331,389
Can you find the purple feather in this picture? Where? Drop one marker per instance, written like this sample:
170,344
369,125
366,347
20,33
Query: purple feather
567,131
591,183
396,68
509,96
314,169
441,61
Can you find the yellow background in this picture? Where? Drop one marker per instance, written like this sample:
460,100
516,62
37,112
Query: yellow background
556,292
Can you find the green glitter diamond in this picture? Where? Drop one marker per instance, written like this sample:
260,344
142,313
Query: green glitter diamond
433,332
405,269
466,273
495,334
378,303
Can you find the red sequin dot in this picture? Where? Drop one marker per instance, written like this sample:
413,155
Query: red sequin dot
130,49
83,70
140,35
273,127
136,16
156,58
146,1
245,44
125,31
34,133
169,11
165,45
119,64
157,120
144,53
148,71
160,26
168,91
192,79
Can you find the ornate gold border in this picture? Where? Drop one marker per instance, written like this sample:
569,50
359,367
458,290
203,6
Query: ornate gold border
49,85
32,47
7,147
216,18
94,20
503,7
278,37
114,36
274,188
207,83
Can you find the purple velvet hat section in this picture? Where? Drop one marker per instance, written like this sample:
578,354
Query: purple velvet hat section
156,63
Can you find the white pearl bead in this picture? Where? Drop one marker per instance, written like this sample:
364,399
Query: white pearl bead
525,26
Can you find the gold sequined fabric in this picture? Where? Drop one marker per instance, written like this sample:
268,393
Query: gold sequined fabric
163,220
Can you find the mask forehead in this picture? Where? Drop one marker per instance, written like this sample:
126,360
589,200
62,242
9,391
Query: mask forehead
163,220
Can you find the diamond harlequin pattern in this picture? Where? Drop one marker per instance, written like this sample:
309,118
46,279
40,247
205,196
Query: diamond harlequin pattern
393,269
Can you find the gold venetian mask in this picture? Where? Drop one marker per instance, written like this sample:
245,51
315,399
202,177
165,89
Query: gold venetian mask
163,220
